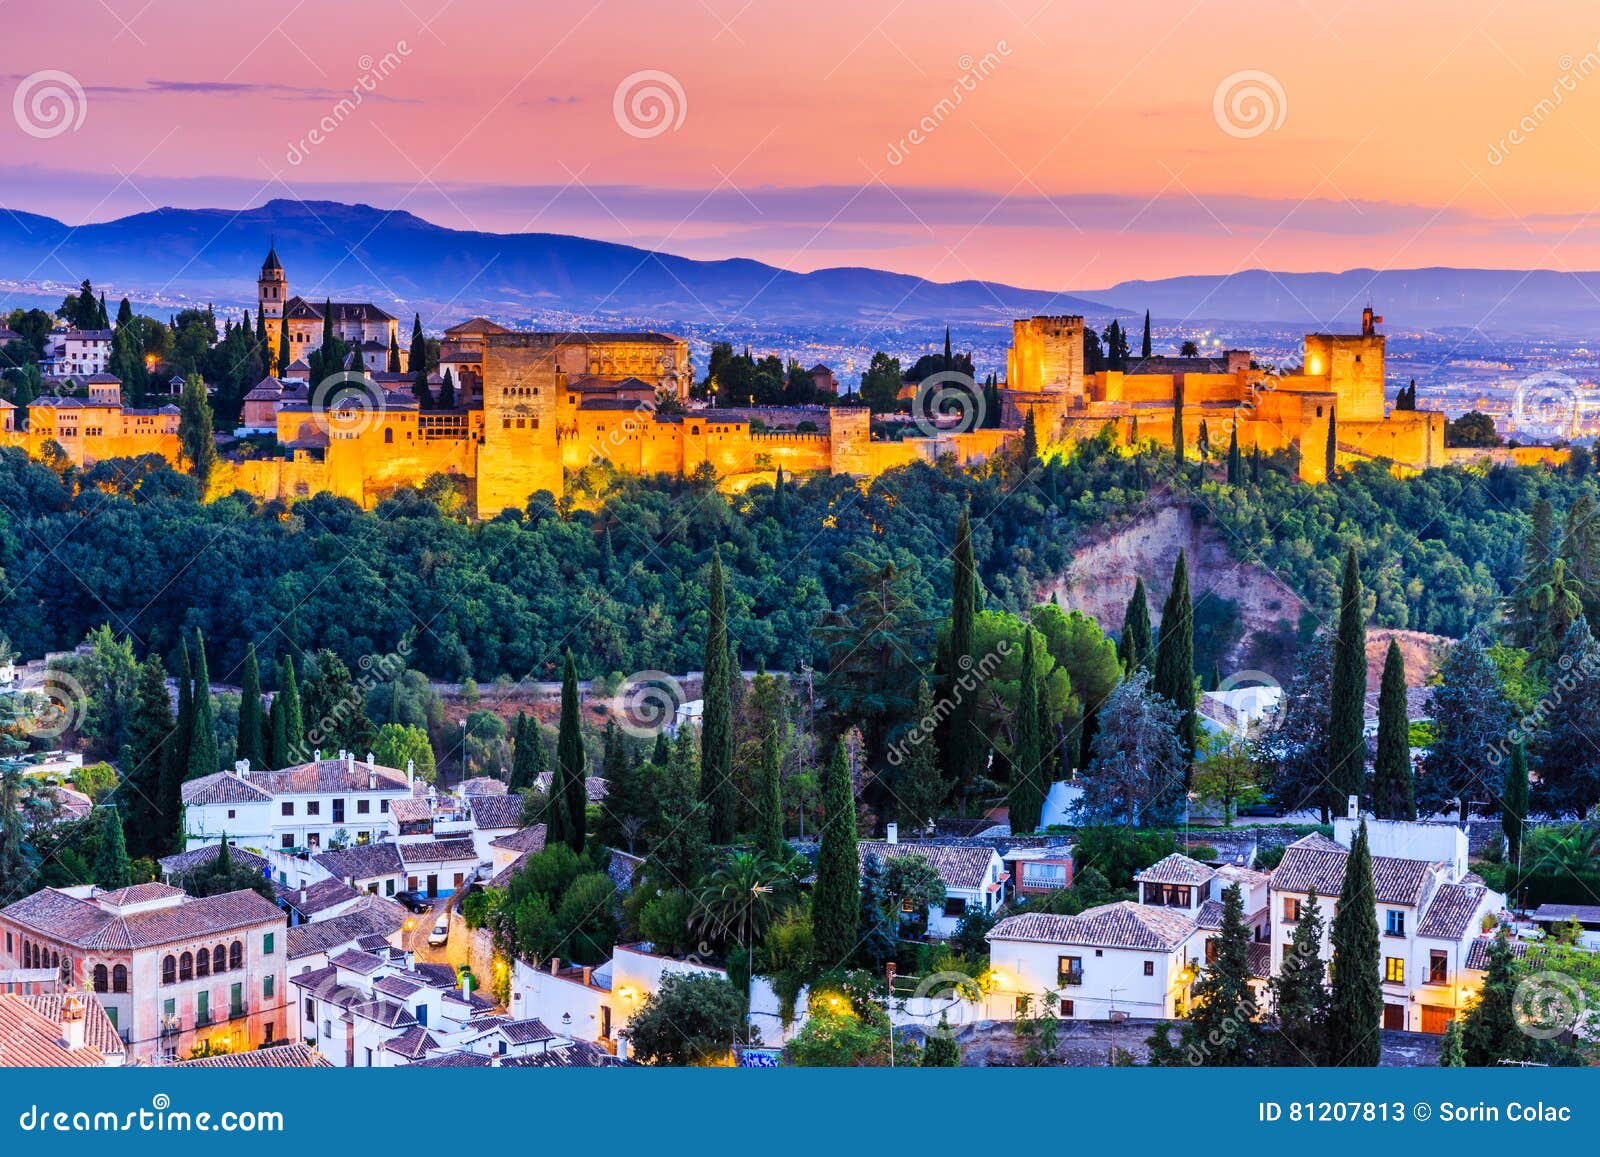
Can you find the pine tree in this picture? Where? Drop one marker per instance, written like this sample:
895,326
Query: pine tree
252,726
716,720
1174,669
1347,741
1222,1023
1514,803
1299,995
836,897
569,761
771,827
963,747
111,867
1394,794
920,789
1471,717
147,829
1134,646
203,756
1144,345
877,931
1490,1032
1028,776
941,1051
1355,1008
1527,618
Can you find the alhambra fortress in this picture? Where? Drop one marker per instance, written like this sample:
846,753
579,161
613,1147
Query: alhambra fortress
531,406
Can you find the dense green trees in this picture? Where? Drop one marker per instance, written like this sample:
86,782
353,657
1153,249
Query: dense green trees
716,723
1471,718
1221,1029
835,900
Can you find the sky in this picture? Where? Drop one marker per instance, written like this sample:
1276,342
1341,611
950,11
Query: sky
1056,145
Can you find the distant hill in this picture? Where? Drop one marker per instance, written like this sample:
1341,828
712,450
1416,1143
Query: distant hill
400,256
1500,301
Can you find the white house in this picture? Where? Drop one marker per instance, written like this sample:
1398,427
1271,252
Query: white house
85,351
438,867
312,806
973,875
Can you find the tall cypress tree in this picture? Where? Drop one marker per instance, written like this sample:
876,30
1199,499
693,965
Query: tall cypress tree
1224,1013
963,746
681,850
111,866
252,729
1144,346
146,827
393,364
1355,1008
1235,466
1514,803
1299,996
574,796
772,842
1394,793
203,756
285,355
919,789
177,763
294,727
1347,743
1177,423
1490,1030
1028,785
1331,450
836,898
528,761
1174,671
716,721
1134,645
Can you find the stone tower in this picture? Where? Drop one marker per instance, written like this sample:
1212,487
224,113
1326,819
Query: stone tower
272,290
1046,356
521,452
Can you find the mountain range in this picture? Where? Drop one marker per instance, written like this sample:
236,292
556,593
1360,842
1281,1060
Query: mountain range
396,259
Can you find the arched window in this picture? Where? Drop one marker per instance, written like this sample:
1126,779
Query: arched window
219,959
119,977
55,959
202,963
27,954
169,969
236,954
100,978
388,435
186,967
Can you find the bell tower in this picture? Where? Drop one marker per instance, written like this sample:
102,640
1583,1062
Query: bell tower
272,291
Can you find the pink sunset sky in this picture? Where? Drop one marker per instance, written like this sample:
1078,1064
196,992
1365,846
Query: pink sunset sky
1086,148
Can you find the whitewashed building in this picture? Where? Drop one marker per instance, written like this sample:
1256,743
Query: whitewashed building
974,877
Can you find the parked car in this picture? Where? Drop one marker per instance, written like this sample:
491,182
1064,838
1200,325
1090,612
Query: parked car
413,901
440,933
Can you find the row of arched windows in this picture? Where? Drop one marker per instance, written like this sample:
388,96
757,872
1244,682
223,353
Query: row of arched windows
115,981
202,963
38,956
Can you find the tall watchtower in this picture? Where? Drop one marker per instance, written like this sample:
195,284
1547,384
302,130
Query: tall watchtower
272,291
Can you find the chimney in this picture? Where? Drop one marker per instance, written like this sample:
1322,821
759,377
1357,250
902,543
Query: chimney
317,755
587,974
411,772
372,777
555,965
72,1016
302,895
891,833
1353,808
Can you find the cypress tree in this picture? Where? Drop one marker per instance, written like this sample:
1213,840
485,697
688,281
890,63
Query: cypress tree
716,721
1355,1008
393,364
681,851
878,929
1255,465
177,766
780,499
284,354
203,756
294,727
146,827
1235,467
417,364
573,797
1331,453
447,391
963,747
1222,1028
1394,793
1347,742
1144,346
1030,439
836,898
1452,1053
252,728
527,754
1177,424
1134,646
1514,803
1174,673
920,789
1203,440
772,842
1299,996
111,866
1027,775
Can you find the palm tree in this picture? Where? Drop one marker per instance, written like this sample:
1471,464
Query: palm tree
1568,848
1558,602
739,900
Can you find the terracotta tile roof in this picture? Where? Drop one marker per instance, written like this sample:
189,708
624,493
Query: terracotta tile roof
1176,869
411,809
1316,862
321,896
382,1012
363,861
480,785
320,981
343,311
490,812
436,975
290,1056
437,851
85,924
1559,913
524,1032
223,787
1123,924
98,1031
577,1055
1209,916
529,839
182,862
959,865
137,894
354,960
1246,878
1450,912
1260,957
31,1034
397,986
413,1044
369,916
1478,952
502,878
454,1060
593,786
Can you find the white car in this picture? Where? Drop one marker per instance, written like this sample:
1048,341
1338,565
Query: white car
440,933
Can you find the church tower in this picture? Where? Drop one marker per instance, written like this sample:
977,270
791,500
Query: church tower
272,291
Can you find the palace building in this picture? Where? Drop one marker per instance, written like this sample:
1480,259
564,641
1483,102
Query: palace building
358,322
